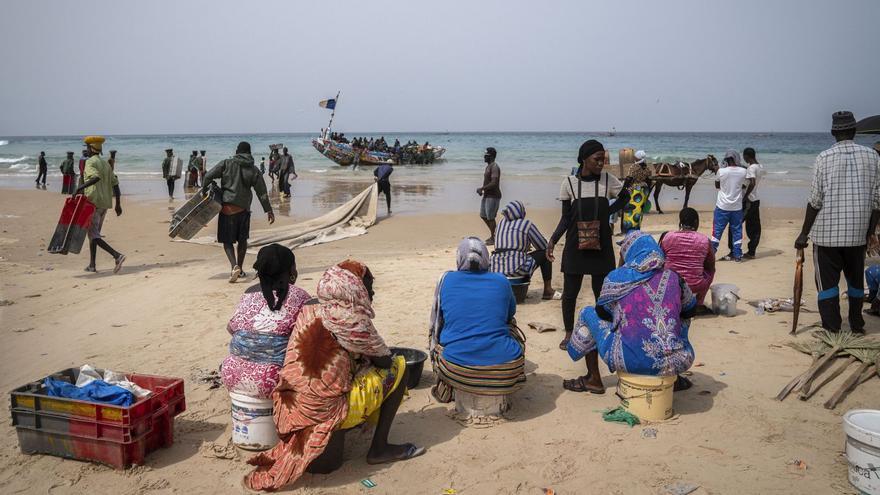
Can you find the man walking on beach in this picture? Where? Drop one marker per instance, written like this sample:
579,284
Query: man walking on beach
383,180
491,193
286,169
729,205
841,216
238,175
168,171
68,174
43,169
99,186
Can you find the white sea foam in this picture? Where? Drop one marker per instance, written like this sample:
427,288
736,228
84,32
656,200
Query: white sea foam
318,170
12,160
3,142
19,166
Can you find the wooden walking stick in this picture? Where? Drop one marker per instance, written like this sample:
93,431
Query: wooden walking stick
798,289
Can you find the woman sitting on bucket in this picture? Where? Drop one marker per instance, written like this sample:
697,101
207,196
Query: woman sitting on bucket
473,348
513,239
337,374
640,322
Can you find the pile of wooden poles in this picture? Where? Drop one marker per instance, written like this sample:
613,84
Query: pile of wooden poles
845,348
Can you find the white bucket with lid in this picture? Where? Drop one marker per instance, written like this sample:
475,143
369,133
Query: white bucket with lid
862,428
724,298
253,426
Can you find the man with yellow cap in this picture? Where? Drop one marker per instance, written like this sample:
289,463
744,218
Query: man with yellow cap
99,186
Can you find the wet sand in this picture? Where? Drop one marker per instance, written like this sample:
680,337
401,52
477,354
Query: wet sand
167,311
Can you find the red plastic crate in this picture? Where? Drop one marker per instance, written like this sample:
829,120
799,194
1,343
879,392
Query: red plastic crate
166,391
114,435
119,455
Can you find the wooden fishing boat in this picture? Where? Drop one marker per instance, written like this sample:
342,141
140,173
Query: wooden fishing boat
343,154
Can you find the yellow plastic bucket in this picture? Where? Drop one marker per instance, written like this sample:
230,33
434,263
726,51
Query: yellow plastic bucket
648,397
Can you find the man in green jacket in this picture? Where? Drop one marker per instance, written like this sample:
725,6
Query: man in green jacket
168,171
68,173
100,186
238,175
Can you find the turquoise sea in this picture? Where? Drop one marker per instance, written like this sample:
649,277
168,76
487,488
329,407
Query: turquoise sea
532,163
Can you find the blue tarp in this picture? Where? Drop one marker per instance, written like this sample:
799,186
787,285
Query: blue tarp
96,391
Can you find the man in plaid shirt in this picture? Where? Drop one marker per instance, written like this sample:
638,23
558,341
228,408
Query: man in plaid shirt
842,212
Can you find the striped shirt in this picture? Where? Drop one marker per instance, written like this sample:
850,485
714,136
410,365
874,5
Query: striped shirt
514,238
845,189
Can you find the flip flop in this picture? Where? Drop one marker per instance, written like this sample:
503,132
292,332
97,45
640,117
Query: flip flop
236,272
119,261
411,452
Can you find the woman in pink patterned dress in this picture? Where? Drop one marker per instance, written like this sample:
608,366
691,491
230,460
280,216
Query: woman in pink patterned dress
261,325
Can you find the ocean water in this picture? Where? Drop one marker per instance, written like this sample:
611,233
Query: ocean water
532,163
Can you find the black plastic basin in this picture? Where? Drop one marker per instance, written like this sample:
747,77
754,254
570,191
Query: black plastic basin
415,363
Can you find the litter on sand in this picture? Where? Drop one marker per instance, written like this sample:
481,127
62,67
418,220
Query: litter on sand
542,327
798,464
649,433
679,488
367,482
620,415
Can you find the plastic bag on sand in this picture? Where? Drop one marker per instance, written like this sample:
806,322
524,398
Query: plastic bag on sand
88,374
621,415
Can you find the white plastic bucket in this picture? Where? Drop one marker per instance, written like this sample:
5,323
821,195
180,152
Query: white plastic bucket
724,298
253,427
862,428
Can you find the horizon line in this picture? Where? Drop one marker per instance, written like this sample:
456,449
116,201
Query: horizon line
353,133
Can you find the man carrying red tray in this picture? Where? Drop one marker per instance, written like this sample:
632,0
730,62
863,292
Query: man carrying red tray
99,185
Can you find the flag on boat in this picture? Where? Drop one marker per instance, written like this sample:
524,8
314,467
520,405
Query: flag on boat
328,104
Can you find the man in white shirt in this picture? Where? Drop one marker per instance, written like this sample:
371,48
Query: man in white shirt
729,204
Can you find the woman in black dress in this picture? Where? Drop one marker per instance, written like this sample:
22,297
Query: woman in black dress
585,197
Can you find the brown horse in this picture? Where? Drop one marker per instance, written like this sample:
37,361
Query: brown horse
681,175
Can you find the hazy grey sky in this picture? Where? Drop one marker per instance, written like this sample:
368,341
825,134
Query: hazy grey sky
74,67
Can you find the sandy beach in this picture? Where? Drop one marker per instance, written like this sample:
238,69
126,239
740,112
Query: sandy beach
166,314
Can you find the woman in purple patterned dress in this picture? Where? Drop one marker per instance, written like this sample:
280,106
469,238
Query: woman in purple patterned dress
640,322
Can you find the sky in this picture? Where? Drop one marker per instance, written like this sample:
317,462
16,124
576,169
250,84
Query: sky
226,66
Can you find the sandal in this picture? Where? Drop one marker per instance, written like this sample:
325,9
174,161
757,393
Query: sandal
236,272
119,261
580,384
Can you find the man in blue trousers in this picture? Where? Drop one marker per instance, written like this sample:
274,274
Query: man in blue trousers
728,206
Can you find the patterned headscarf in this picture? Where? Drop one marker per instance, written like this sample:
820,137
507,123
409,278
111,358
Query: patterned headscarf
472,255
346,309
642,258
514,211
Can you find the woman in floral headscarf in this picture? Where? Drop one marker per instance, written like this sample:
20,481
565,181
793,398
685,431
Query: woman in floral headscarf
337,374
640,322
